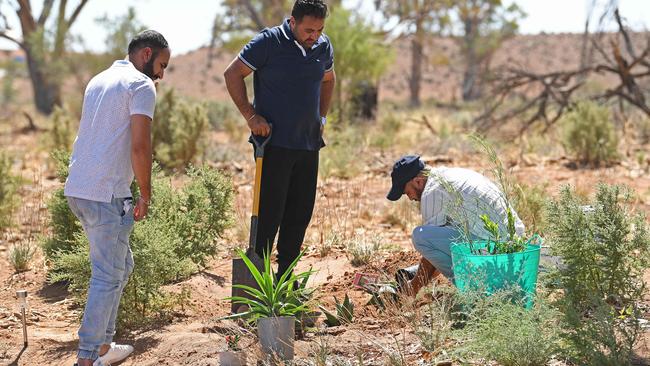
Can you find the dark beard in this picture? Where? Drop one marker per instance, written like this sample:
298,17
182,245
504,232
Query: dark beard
148,67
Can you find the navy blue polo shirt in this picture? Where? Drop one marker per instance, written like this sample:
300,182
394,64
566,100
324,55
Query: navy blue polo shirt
287,82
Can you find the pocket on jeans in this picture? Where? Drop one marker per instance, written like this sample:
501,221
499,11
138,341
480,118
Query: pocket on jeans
87,211
127,212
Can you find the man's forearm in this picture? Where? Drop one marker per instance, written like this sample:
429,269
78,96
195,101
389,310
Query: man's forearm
237,90
326,92
141,160
426,271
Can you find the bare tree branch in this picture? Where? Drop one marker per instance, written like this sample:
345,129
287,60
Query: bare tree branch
47,9
76,12
24,11
10,38
626,37
254,14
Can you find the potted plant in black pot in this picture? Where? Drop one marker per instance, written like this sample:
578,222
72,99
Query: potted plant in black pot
272,306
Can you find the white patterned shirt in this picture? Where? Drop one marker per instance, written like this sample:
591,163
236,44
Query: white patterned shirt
100,166
477,195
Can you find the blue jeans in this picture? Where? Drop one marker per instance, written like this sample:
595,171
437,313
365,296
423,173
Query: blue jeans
107,226
433,243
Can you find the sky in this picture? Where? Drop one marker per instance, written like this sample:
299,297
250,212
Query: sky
187,24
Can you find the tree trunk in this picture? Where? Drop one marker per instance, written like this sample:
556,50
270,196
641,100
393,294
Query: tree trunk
364,100
415,79
47,94
471,75
471,82
340,102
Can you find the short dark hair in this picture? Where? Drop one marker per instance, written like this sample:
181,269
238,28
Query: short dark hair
149,38
314,8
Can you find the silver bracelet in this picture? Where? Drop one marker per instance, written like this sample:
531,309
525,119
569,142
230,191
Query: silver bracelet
251,117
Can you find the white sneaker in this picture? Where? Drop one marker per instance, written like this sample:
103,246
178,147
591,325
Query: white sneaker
116,353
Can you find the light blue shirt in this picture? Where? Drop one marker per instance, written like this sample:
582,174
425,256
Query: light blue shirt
473,195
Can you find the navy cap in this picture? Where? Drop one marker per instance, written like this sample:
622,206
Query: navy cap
405,169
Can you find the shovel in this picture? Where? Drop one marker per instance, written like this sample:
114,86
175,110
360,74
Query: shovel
240,273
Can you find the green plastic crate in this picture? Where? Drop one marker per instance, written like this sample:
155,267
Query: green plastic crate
490,273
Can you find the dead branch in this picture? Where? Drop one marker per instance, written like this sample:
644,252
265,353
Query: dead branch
31,126
425,121
548,96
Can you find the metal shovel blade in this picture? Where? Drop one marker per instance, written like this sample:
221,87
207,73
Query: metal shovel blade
242,276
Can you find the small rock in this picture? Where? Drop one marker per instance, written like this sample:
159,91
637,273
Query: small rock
335,330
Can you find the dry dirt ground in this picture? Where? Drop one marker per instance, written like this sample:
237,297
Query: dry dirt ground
351,208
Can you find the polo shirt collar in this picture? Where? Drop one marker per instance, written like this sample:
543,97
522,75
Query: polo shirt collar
288,34
122,63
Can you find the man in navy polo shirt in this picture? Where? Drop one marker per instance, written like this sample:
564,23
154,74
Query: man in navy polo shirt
293,81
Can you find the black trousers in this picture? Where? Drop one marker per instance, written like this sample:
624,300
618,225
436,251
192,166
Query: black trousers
287,195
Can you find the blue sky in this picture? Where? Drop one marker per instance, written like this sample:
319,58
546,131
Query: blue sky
187,24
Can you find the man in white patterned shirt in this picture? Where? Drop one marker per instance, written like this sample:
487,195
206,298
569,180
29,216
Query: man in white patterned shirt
448,197
112,147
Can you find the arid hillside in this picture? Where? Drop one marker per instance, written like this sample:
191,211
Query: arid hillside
443,69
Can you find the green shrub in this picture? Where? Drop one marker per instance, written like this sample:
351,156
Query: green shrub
384,136
178,131
434,325
13,70
403,214
64,226
173,242
530,203
361,55
63,129
362,251
61,159
223,116
20,255
8,189
341,157
218,113
504,331
642,126
589,134
605,249
63,223
198,214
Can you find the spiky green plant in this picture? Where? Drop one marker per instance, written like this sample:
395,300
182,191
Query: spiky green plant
273,297
344,313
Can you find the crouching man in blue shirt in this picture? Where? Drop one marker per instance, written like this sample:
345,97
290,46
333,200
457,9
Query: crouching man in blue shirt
293,81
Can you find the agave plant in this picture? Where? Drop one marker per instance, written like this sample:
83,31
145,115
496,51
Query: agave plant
344,312
274,297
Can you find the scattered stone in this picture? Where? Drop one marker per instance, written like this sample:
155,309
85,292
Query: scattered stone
335,330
